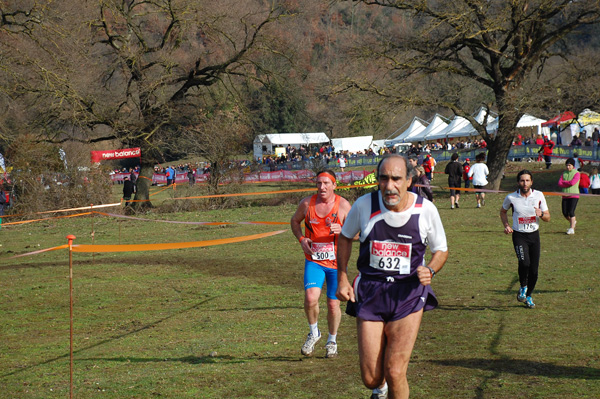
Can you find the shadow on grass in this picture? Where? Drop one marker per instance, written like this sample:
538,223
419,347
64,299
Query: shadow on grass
499,363
461,308
514,292
114,338
194,359
525,367
32,265
237,309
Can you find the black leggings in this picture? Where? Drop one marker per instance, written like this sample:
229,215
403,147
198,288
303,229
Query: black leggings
568,207
527,248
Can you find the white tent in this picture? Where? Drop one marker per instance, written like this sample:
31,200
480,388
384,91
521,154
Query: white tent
352,144
531,121
266,142
456,124
416,126
437,124
469,130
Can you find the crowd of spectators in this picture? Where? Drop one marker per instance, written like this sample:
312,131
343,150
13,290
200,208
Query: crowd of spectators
327,153
334,158
468,144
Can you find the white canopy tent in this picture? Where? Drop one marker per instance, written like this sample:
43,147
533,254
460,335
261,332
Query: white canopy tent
456,124
266,142
469,130
416,126
533,122
437,124
352,144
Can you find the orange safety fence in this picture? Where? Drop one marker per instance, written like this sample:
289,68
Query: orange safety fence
184,222
45,219
258,193
151,247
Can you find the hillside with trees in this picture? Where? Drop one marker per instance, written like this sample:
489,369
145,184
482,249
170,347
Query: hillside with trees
144,74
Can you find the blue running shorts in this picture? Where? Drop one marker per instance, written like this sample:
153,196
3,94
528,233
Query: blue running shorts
315,275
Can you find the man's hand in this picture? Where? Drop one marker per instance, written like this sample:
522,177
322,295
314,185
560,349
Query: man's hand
345,292
424,275
306,245
335,228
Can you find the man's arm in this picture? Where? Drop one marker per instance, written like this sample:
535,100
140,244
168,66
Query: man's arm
345,292
542,214
504,219
296,225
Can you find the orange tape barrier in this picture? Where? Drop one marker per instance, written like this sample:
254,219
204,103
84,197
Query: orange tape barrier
483,190
201,196
39,252
297,190
179,245
82,208
40,220
151,247
182,222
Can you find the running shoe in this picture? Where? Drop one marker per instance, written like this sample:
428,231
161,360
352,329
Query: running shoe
570,231
478,205
529,303
457,204
379,394
331,349
522,295
309,346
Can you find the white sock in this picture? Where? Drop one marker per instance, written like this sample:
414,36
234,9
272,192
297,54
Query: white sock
332,338
314,329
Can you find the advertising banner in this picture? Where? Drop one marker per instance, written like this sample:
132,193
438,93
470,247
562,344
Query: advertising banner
99,156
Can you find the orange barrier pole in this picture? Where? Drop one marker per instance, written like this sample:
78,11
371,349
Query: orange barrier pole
71,238
93,255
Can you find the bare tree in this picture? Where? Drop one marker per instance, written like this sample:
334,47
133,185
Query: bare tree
132,73
217,137
466,52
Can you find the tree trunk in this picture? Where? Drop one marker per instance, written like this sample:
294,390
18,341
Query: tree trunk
500,143
496,161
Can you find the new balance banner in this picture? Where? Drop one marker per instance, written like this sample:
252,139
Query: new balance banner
98,156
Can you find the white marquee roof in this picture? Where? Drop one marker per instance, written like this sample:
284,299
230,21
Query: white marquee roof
291,138
352,144
436,125
416,126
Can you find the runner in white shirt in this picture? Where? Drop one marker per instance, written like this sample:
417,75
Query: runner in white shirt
529,206
479,173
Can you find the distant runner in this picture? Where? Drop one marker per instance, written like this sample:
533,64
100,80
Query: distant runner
529,206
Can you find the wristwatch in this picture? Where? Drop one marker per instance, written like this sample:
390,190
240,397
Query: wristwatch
432,272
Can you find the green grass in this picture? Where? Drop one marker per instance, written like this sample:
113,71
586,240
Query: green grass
227,321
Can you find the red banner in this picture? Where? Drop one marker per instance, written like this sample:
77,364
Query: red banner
98,156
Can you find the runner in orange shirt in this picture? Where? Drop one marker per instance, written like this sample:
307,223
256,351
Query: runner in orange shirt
323,214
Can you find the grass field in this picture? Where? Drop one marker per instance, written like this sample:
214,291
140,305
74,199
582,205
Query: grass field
227,321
